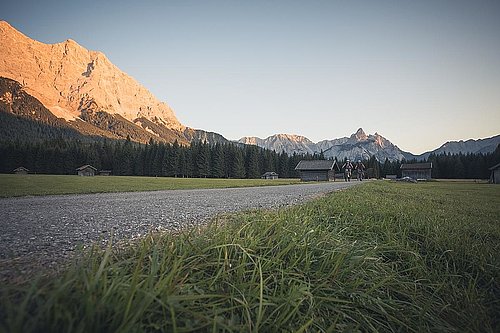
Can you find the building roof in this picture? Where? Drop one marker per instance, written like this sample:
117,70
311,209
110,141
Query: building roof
496,166
86,166
416,166
269,173
315,165
20,169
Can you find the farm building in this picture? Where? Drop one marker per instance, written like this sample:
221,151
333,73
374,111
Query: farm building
316,170
495,174
86,170
269,175
416,170
105,173
21,171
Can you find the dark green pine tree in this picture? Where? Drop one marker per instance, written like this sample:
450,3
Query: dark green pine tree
139,162
194,150
268,161
386,168
283,165
375,166
182,169
174,159
217,161
203,161
237,164
252,162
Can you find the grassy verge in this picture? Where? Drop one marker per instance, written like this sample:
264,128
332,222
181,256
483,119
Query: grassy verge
21,185
381,257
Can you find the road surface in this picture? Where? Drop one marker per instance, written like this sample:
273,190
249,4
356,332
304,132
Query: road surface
42,230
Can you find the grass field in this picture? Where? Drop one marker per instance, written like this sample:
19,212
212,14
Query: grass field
382,257
22,185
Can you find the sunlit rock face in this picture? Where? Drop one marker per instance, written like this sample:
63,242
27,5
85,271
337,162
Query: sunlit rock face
70,80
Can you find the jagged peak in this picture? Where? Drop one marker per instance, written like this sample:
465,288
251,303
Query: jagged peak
360,135
8,30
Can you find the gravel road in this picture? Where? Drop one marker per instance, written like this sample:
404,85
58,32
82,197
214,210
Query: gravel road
40,231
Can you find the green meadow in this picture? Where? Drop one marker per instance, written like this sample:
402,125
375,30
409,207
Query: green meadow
22,185
382,257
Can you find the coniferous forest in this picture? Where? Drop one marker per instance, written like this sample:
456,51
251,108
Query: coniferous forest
221,160
448,166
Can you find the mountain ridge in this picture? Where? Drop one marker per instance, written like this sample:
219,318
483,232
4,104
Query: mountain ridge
468,146
76,84
359,145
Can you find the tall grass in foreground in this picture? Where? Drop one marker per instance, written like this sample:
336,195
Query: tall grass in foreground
381,257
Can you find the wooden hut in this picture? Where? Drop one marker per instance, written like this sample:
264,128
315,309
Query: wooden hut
269,175
21,171
316,170
105,173
86,170
495,174
416,170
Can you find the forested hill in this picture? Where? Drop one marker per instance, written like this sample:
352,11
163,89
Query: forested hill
25,118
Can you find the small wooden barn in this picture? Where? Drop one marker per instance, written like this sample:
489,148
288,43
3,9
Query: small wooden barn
105,173
316,170
86,170
495,174
416,170
21,171
269,175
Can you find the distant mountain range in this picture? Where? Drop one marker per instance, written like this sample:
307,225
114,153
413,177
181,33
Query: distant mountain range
64,90
469,146
362,146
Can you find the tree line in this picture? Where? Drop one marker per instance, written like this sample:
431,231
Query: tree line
447,166
199,159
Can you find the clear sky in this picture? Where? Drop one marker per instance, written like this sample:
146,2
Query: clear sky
418,72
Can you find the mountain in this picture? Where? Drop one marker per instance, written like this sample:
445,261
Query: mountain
358,146
287,143
471,146
85,91
362,146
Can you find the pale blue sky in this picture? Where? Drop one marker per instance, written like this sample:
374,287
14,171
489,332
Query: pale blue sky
418,72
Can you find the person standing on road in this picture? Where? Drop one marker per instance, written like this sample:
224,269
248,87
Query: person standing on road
347,170
360,167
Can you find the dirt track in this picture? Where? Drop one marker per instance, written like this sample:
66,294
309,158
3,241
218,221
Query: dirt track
43,230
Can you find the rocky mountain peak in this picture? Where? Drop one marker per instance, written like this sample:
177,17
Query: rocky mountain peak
69,79
358,146
360,135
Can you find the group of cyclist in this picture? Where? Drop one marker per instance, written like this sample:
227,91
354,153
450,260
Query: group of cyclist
348,167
